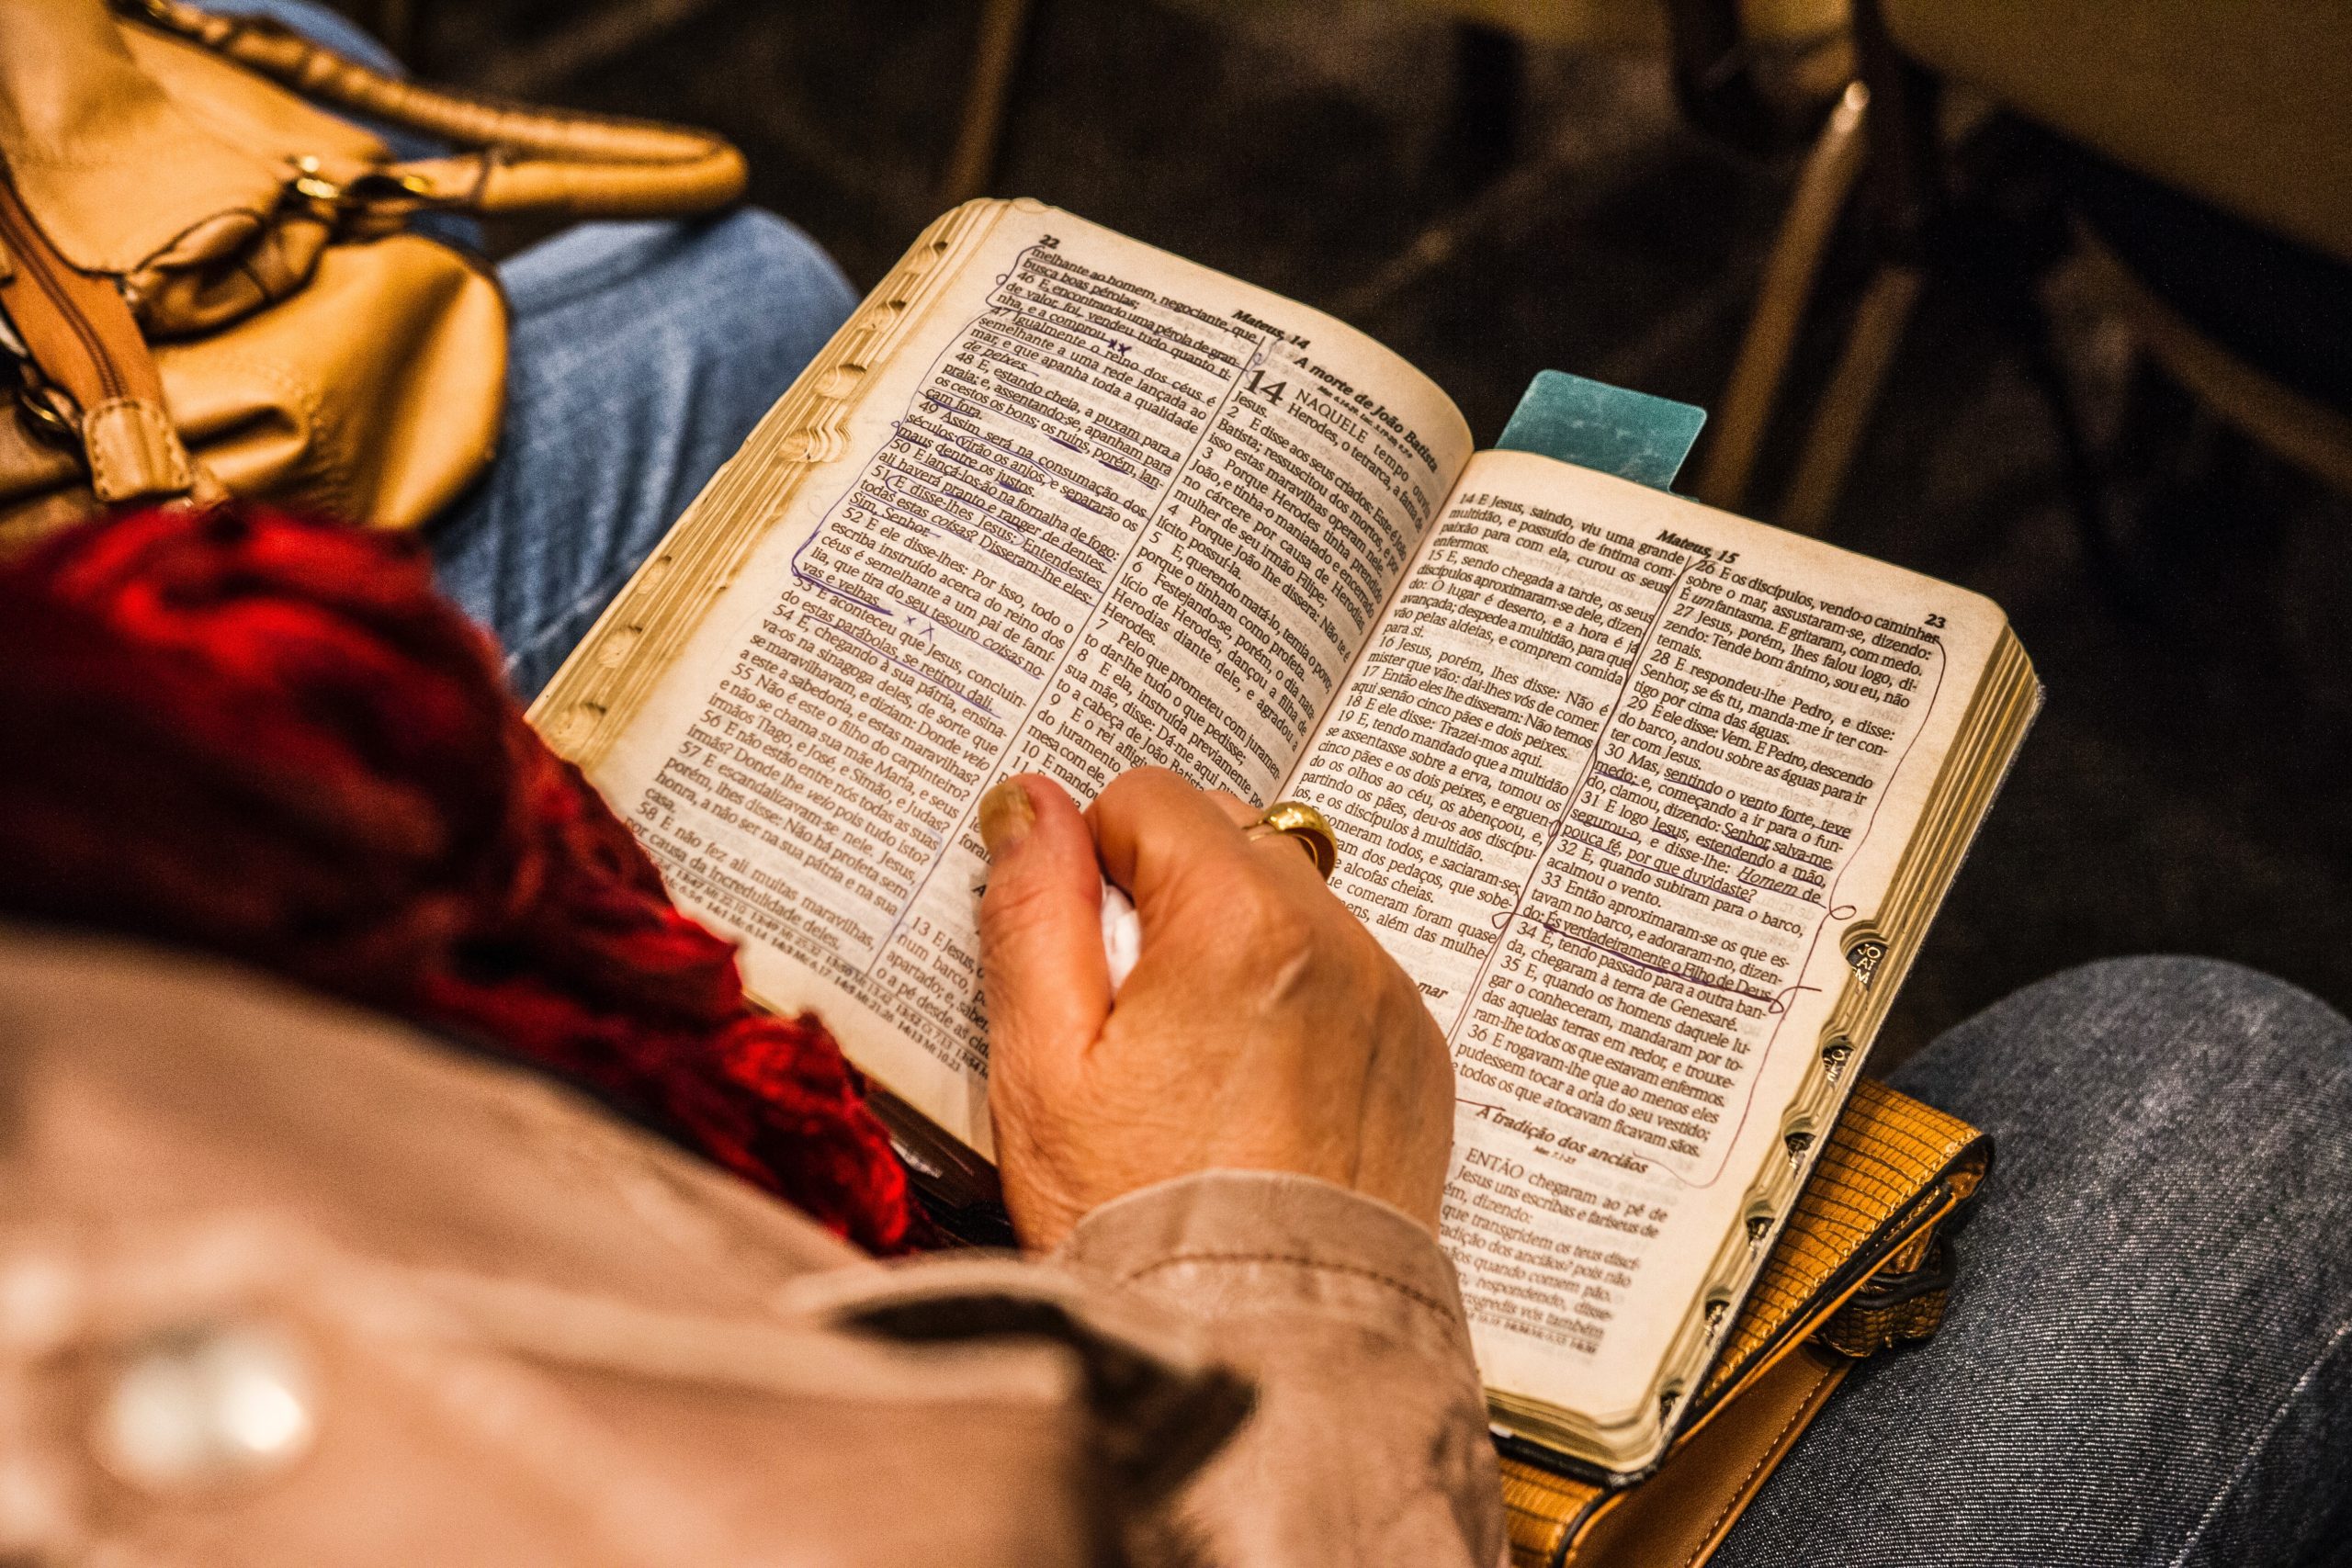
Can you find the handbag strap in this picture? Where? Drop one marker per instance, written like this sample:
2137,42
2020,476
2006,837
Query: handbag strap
524,159
85,376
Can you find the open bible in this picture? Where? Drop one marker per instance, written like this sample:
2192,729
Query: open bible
1653,803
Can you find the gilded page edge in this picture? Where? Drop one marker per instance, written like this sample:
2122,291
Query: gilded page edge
604,684
1984,746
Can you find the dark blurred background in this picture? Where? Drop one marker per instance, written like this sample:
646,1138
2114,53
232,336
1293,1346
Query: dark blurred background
1498,197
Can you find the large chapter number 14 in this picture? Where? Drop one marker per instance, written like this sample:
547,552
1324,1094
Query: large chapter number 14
1258,384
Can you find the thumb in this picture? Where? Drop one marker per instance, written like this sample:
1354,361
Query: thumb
1042,969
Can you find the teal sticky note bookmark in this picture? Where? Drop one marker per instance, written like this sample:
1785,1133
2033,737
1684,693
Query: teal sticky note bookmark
1596,426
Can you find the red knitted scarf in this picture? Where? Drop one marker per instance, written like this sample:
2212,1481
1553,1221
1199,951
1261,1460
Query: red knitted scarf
272,740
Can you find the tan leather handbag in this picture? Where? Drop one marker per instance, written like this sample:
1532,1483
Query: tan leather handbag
210,284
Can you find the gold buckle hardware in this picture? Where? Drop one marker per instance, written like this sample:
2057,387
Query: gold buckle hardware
49,413
376,187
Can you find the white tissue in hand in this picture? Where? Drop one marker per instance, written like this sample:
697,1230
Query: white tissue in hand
1121,935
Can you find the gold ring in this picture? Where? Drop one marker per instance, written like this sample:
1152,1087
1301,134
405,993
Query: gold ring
1309,826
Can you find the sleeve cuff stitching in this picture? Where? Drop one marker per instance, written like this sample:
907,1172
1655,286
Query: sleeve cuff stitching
1442,1311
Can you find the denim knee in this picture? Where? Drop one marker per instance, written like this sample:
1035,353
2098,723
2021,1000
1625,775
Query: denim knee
2147,1356
2172,1166
643,354
2149,1039
2170,982
770,261
737,282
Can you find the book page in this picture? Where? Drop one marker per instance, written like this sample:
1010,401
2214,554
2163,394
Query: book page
1612,779
1102,508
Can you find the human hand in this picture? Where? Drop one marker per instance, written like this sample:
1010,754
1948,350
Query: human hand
1263,1028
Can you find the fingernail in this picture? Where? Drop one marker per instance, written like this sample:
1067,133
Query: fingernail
1006,817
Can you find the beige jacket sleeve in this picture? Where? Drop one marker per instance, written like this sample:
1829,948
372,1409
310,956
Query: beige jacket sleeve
283,1283
1368,1444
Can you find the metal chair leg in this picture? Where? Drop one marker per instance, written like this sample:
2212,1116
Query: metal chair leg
1846,403
1004,27
1745,411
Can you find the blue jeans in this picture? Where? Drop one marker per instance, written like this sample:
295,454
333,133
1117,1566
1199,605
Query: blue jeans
2148,1358
641,356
